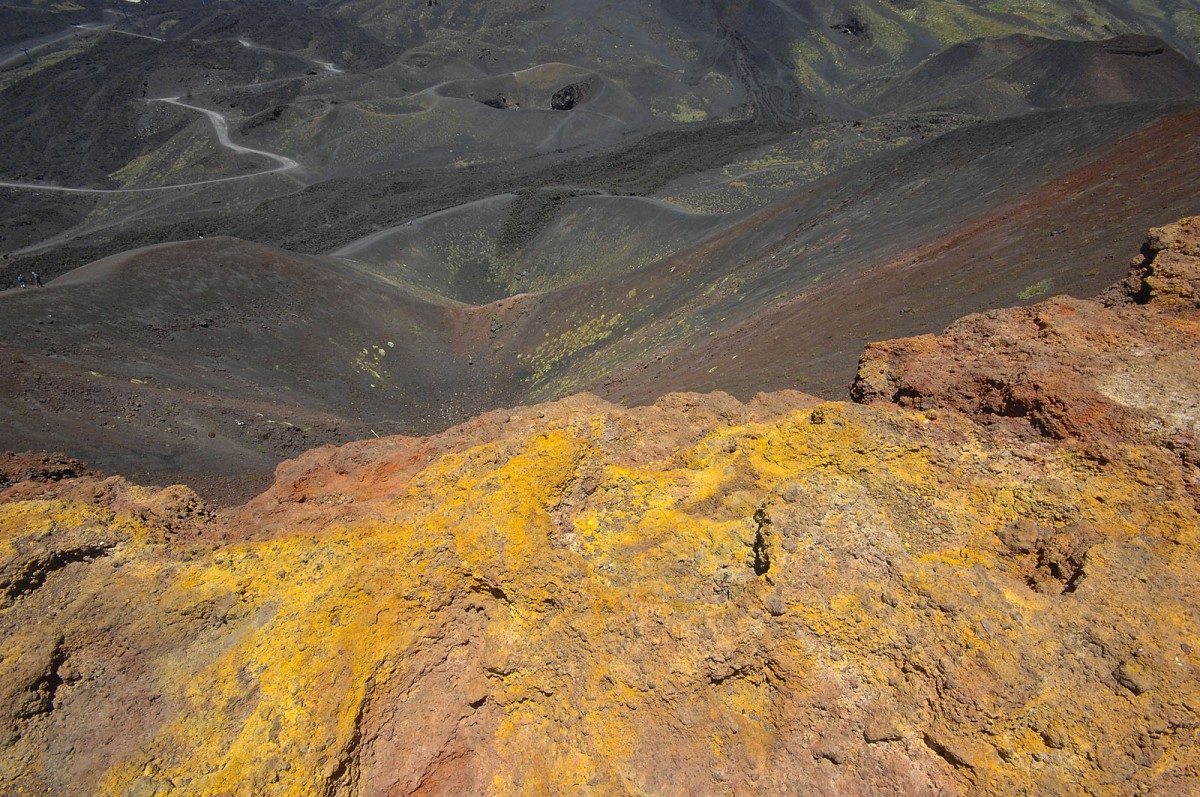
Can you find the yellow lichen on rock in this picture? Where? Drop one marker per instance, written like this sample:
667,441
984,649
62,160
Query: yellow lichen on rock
623,620
699,597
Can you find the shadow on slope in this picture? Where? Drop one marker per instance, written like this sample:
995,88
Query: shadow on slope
999,77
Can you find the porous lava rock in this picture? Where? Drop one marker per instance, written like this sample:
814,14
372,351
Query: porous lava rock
923,594
35,467
571,95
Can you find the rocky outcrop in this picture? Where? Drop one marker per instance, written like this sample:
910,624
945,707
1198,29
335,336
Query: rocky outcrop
928,593
571,95
1121,367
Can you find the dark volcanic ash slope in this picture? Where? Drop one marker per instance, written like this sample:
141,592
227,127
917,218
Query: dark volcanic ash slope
134,361
396,112
21,22
269,68
985,216
217,358
280,25
1000,77
79,120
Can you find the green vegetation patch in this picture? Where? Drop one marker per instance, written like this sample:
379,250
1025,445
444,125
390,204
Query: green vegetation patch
1036,289
15,76
553,352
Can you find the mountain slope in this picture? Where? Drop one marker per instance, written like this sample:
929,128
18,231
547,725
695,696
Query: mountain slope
526,201
209,360
701,596
1019,73
777,298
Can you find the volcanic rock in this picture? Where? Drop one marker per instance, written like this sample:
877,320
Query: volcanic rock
1116,367
571,95
932,592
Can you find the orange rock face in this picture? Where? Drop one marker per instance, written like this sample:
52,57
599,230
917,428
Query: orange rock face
1122,367
982,580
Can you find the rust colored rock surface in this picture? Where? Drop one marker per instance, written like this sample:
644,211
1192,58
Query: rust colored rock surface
1119,367
983,581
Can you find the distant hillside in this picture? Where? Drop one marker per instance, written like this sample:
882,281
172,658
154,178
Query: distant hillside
998,77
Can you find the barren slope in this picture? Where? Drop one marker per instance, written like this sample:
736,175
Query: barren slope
208,361
701,596
631,198
779,298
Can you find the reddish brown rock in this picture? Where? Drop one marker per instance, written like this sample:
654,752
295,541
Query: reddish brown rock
1121,367
990,589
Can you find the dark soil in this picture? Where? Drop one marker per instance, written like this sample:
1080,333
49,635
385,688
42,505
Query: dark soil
322,217
209,361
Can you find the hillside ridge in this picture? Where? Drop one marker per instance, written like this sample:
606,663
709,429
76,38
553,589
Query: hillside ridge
980,578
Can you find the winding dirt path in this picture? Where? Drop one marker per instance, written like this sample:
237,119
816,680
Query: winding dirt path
326,65
220,126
